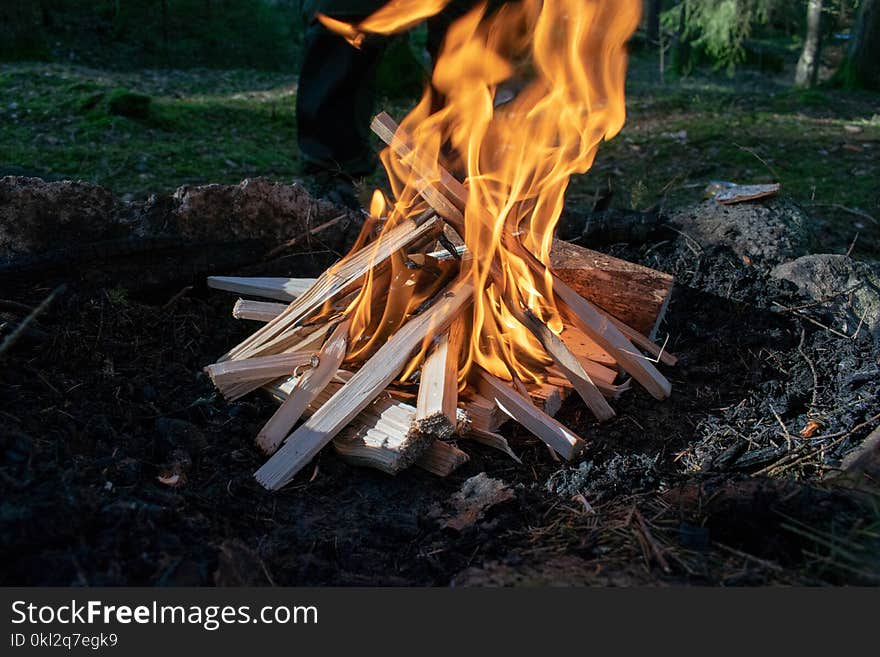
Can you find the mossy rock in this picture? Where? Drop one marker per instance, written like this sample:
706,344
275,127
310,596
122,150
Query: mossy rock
89,102
132,105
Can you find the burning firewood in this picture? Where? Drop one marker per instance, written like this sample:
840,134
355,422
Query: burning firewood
380,442
451,314
374,437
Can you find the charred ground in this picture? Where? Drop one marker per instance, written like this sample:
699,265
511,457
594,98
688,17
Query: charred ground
104,394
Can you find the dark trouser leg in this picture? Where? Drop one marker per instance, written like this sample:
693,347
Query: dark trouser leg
335,101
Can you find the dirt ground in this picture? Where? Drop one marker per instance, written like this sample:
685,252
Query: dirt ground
104,393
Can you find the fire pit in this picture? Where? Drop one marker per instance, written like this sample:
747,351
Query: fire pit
449,315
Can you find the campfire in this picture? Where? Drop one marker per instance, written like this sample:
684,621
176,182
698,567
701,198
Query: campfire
456,309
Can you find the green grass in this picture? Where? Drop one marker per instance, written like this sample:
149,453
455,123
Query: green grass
823,145
221,126
198,127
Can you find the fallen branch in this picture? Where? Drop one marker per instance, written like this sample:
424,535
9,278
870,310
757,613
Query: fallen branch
19,330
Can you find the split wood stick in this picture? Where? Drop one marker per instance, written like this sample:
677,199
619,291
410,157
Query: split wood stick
283,289
548,396
556,377
334,281
309,386
601,374
303,339
588,318
566,443
266,368
441,458
380,370
380,436
493,440
386,440
447,200
438,385
586,348
644,342
602,330
568,363
482,413
260,311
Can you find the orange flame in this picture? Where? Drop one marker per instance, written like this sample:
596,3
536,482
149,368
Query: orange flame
566,61
396,16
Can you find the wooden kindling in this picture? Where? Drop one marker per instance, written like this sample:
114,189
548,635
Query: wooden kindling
351,381
260,311
381,436
569,364
283,289
438,386
227,374
589,319
369,381
332,282
306,390
519,407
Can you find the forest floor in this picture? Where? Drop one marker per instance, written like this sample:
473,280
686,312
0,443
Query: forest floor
221,126
714,486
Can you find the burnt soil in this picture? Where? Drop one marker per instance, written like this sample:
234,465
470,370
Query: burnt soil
105,393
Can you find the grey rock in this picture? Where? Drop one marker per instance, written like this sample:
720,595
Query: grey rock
850,290
763,233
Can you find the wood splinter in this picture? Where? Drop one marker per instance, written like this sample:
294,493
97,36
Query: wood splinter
260,311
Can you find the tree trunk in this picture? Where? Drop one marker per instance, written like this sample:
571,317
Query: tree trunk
862,65
680,49
808,65
652,21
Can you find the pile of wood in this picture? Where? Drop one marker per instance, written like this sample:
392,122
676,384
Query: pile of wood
610,309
